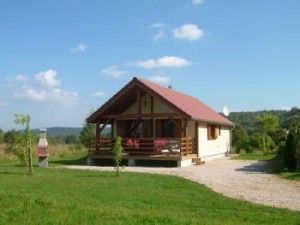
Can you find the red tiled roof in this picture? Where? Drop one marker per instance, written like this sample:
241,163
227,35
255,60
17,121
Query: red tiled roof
191,106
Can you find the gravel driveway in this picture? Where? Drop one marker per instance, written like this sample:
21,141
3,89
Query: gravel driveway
246,180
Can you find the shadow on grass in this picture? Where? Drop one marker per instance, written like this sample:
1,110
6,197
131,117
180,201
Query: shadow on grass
79,161
11,173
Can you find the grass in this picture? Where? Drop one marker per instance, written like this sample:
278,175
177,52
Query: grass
290,175
62,196
278,166
256,156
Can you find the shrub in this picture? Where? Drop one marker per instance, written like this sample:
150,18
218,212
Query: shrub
290,158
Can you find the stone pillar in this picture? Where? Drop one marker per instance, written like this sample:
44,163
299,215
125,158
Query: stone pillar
131,163
89,161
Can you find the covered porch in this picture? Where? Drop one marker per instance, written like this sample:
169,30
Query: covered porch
151,127
155,149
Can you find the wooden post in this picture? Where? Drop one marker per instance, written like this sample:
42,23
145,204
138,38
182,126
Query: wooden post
196,138
97,130
184,128
138,100
112,127
152,117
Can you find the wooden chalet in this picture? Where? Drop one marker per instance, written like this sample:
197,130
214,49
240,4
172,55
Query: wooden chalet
158,123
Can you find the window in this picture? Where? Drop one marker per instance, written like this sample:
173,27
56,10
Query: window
212,132
168,129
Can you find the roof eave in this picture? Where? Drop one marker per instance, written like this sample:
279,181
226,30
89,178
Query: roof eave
214,122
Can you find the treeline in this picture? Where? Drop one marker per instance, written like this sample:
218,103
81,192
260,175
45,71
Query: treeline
13,135
275,130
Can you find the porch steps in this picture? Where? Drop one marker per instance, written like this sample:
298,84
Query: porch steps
197,161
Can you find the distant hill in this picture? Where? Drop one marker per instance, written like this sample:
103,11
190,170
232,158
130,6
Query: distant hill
248,119
61,131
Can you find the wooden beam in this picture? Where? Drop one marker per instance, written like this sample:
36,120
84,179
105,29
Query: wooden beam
97,130
112,129
196,138
152,118
152,104
184,128
143,115
138,100
104,125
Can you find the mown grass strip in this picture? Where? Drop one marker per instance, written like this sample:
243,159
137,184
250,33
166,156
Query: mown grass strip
62,196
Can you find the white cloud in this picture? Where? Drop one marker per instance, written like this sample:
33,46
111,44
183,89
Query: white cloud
190,32
166,61
79,48
159,35
159,79
99,94
17,78
113,71
48,92
197,2
286,108
31,94
48,78
20,78
48,95
158,25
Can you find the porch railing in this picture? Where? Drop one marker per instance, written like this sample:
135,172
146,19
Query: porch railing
145,146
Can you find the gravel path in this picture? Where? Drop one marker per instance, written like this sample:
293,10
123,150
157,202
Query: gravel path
246,180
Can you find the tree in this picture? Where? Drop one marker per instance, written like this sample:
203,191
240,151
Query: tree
240,139
290,157
71,139
11,138
1,136
117,150
87,134
268,123
25,140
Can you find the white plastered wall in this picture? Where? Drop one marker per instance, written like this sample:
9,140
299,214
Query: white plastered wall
211,149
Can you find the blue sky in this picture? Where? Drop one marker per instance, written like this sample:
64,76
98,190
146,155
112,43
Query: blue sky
61,59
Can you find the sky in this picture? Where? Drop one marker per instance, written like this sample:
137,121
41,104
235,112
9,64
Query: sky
59,60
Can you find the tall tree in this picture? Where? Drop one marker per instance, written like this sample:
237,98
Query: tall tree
87,134
1,136
290,157
268,123
240,139
25,142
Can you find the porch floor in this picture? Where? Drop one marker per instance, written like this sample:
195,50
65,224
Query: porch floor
163,157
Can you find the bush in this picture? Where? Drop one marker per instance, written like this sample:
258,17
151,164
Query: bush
290,157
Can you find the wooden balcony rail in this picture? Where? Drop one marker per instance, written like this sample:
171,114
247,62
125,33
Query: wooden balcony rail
146,146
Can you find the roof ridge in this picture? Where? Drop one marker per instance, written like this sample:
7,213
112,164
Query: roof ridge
161,86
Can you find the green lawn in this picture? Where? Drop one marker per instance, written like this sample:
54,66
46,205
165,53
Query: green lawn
62,196
290,175
256,156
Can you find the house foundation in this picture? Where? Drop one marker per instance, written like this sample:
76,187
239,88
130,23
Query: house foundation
184,163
